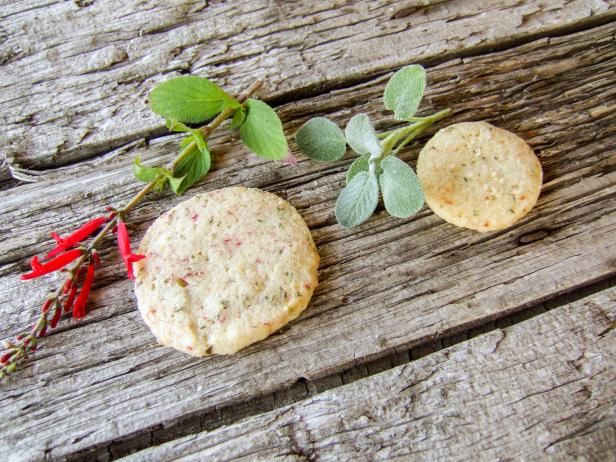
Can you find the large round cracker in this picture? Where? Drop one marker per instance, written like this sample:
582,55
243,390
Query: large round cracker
225,269
479,176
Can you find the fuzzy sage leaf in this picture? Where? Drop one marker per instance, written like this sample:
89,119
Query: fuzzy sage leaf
358,200
402,192
261,131
404,91
321,139
361,164
361,136
189,99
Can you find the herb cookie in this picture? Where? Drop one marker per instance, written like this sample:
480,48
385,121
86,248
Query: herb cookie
478,176
225,269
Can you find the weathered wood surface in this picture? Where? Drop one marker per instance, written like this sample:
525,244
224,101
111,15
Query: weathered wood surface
542,389
389,285
75,75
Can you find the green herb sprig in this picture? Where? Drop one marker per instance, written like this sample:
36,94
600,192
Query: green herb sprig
193,100
377,169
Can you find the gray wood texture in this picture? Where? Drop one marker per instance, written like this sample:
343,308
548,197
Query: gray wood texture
543,389
385,286
76,74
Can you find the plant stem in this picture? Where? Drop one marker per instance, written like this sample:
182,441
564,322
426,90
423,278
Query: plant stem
432,118
406,134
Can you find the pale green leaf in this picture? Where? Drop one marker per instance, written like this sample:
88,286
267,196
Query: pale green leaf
402,192
238,117
361,164
192,168
262,131
404,91
321,139
358,200
189,99
361,136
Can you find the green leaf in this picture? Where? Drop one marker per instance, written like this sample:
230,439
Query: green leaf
238,118
262,131
144,173
321,139
174,183
148,174
404,91
189,99
402,192
186,141
197,135
192,168
360,164
175,126
358,200
361,136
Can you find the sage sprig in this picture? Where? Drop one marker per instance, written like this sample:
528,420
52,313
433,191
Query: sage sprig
376,171
194,100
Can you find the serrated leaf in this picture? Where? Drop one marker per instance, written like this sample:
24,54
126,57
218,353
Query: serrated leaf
402,193
361,136
361,164
143,172
321,139
189,99
262,131
358,200
192,168
404,91
238,118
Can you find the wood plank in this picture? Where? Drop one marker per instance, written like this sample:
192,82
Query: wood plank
74,76
388,285
542,389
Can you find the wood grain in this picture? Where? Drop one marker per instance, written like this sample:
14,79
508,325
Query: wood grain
386,286
74,76
542,389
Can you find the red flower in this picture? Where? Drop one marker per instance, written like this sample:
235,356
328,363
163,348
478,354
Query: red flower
75,238
68,304
39,269
124,246
56,315
79,309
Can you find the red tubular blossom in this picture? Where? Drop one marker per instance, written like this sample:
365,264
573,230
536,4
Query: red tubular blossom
124,246
79,309
39,269
56,315
68,304
81,234
67,286
46,305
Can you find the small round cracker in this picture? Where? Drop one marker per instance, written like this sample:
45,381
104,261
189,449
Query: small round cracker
225,269
479,176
